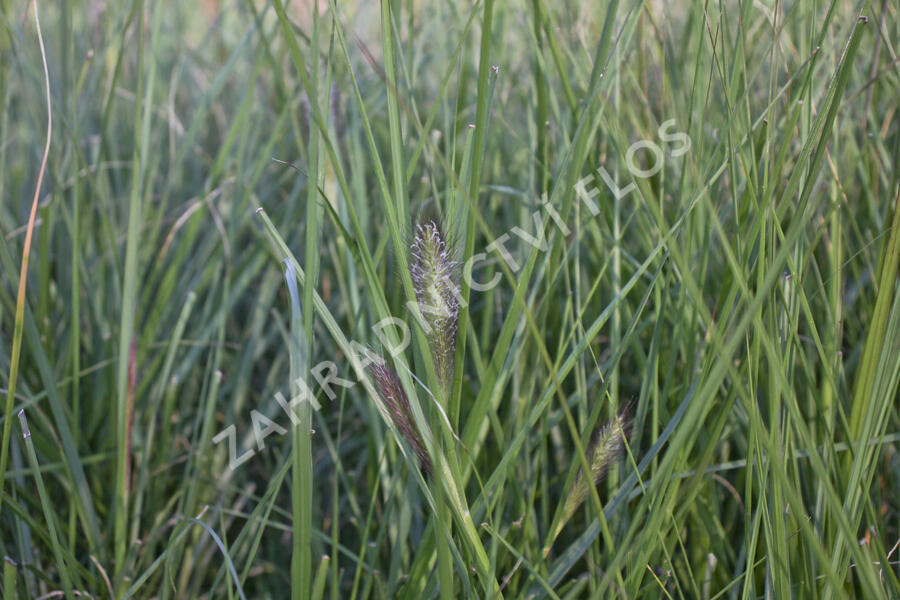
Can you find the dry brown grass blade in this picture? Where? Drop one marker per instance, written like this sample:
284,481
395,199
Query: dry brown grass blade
16,350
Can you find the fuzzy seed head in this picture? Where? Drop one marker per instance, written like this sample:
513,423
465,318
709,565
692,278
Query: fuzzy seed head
397,404
435,275
603,451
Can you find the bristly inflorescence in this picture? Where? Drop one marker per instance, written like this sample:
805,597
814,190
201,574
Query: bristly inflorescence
435,274
397,403
604,449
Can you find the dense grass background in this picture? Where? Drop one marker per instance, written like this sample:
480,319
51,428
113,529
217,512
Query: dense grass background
741,304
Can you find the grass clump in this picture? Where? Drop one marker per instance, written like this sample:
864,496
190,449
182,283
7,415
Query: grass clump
648,346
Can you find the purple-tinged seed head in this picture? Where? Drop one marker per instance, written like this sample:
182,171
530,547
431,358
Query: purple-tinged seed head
397,404
435,274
